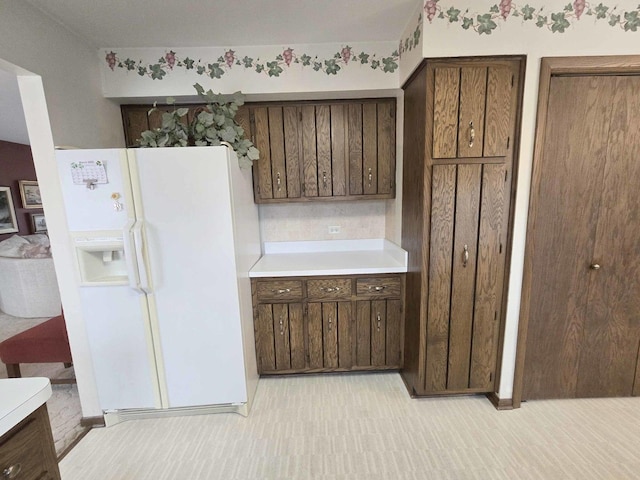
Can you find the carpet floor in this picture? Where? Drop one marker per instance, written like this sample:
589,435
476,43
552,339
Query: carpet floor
365,426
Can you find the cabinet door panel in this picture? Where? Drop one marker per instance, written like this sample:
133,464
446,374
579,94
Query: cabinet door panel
355,148
315,335
464,273
309,152
323,142
292,150
338,150
330,334
500,87
386,147
442,218
489,275
264,339
394,335
276,142
363,333
136,121
378,331
445,112
369,148
345,336
261,123
473,90
281,336
296,336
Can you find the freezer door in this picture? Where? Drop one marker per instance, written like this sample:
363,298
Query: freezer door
183,197
96,208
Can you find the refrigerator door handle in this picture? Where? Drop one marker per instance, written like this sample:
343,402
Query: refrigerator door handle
139,242
130,259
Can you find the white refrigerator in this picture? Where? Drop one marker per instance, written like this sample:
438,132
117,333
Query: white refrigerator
164,240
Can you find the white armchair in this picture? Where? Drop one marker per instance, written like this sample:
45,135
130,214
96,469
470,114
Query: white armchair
28,287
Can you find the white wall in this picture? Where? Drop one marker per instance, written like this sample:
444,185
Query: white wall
60,90
585,36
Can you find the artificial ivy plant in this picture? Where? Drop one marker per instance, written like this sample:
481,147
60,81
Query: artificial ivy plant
214,123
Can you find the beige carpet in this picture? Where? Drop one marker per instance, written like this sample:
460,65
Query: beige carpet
64,405
365,426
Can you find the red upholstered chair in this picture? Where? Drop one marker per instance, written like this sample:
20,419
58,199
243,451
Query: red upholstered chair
44,343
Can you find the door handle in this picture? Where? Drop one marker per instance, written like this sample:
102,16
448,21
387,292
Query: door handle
465,256
472,134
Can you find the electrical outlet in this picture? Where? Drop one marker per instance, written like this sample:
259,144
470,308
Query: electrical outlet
333,229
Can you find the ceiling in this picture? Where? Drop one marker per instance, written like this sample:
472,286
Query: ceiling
169,23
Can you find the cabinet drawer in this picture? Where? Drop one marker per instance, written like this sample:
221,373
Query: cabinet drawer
329,288
378,287
22,450
279,290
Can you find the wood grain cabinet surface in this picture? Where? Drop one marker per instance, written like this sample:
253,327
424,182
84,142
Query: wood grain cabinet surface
27,451
324,150
339,324
460,128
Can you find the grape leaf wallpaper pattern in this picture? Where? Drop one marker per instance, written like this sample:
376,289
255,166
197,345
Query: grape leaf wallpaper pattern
481,22
555,20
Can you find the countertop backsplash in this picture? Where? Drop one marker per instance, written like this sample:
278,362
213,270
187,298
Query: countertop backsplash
312,221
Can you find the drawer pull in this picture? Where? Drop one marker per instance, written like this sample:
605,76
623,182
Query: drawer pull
278,181
377,288
331,289
280,291
379,320
12,472
330,323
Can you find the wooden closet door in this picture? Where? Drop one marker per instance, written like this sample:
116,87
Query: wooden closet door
593,349
612,327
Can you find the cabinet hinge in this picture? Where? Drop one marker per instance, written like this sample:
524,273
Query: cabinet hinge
508,142
500,250
506,174
512,79
300,115
495,316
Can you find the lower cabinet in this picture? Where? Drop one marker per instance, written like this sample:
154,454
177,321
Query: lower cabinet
27,451
318,324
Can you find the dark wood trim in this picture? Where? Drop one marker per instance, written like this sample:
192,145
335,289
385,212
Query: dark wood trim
97,421
500,403
73,444
551,66
63,381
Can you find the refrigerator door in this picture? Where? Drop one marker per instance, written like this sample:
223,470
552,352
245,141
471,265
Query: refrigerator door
183,197
117,328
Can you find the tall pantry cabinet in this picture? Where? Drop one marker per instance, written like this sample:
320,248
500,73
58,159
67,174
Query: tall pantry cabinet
460,126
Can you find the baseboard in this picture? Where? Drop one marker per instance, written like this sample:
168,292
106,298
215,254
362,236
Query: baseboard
92,421
500,403
113,417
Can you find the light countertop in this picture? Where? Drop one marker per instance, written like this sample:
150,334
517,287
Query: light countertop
19,397
333,257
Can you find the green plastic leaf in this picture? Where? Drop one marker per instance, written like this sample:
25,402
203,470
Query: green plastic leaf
253,153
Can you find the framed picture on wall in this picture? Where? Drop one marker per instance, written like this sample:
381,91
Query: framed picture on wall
38,223
30,193
8,222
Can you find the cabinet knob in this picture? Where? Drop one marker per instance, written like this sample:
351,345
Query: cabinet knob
282,290
12,472
472,134
379,320
330,323
377,288
331,289
594,266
